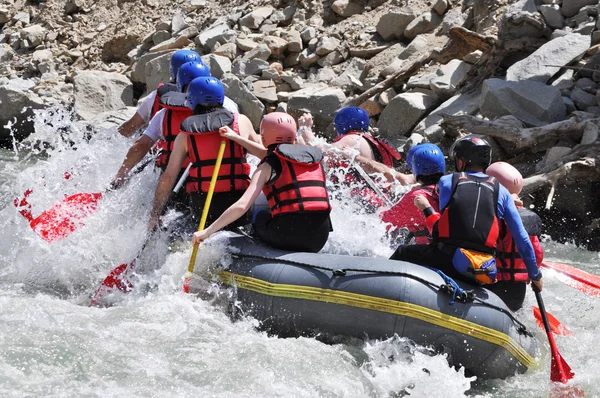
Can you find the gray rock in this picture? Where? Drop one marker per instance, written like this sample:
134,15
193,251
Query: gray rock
586,84
549,58
308,34
382,60
247,102
189,32
448,77
6,52
291,60
178,22
248,67
386,96
333,58
277,45
156,71
321,101
391,25
590,132
404,112
424,23
4,15
552,16
531,102
555,153
521,19
246,44
582,99
33,35
18,101
217,64
326,45
585,29
261,51
254,19
572,7
460,104
565,80
171,44
72,6
569,104
160,36
453,18
440,7
109,120
295,81
308,58
281,107
229,50
294,40
265,90
355,68
22,16
138,74
326,74
97,91
346,8
589,66
228,36
473,57
419,44
44,60
212,32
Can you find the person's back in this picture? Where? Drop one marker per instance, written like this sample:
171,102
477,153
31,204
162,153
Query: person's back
427,165
512,271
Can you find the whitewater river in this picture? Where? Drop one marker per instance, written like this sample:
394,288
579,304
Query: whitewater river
163,343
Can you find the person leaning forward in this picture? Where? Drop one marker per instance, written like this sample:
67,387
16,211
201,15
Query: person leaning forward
465,234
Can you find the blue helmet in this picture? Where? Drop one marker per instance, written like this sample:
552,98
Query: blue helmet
352,118
189,71
205,91
428,159
179,58
409,156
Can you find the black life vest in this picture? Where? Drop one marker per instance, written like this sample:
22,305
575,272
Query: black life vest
511,266
203,147
162,89
470,220
300,186
176,111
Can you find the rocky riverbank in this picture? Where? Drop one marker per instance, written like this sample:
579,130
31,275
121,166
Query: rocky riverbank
523,73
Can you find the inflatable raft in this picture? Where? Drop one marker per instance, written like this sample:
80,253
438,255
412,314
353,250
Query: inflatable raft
305,294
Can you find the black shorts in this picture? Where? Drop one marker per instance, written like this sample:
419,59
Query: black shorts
302,232
220,202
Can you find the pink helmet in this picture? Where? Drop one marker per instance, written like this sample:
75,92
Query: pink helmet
506,175
278,128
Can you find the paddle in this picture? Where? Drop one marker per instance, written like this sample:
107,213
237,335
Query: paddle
118,278
556,327
574,277
371,183
211,190
560,370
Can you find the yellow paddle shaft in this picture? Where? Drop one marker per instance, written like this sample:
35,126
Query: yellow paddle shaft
209,195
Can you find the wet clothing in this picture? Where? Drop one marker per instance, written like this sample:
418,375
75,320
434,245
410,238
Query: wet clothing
298,200
220,202
203,148
405,214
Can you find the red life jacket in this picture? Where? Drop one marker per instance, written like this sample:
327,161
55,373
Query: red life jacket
470,218
510,264
176,111
162,89
203,147
300,186
383,151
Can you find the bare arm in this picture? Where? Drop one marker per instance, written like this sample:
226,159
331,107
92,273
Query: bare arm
136,153
254,148
236,210
132,125
247,130
167,179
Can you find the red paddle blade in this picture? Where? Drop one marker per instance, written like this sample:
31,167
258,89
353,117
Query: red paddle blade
574,277
556,327
117,280
65,217
560,369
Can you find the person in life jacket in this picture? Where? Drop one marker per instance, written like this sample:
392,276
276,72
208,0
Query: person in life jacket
293,181
164,126
200,140
512,271
428,166
466,232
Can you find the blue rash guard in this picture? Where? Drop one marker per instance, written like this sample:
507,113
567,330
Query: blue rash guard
507,211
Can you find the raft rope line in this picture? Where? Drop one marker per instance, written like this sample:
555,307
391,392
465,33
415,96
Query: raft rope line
401,308
451,287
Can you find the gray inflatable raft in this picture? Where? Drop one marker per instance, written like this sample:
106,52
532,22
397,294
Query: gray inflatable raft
295,294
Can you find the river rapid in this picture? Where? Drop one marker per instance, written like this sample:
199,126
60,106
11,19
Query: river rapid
159,342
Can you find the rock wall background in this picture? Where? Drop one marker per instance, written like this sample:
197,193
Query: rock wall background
525,73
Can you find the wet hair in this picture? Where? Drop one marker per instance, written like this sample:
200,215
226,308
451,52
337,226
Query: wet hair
430,179
202,109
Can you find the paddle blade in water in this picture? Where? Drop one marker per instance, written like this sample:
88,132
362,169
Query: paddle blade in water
560,369
116,281
576,278
65,217
556,327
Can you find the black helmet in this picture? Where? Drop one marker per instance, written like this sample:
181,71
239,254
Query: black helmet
474,150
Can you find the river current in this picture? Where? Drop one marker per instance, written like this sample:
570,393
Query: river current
159,342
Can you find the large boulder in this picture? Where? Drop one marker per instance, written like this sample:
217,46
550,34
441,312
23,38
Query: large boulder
547,60
97,91
254,19
157,71
448,76
571,8
17,101
247,102
531,102
320,100
404,111
138,74
424,23
520,19
217,64
391,25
